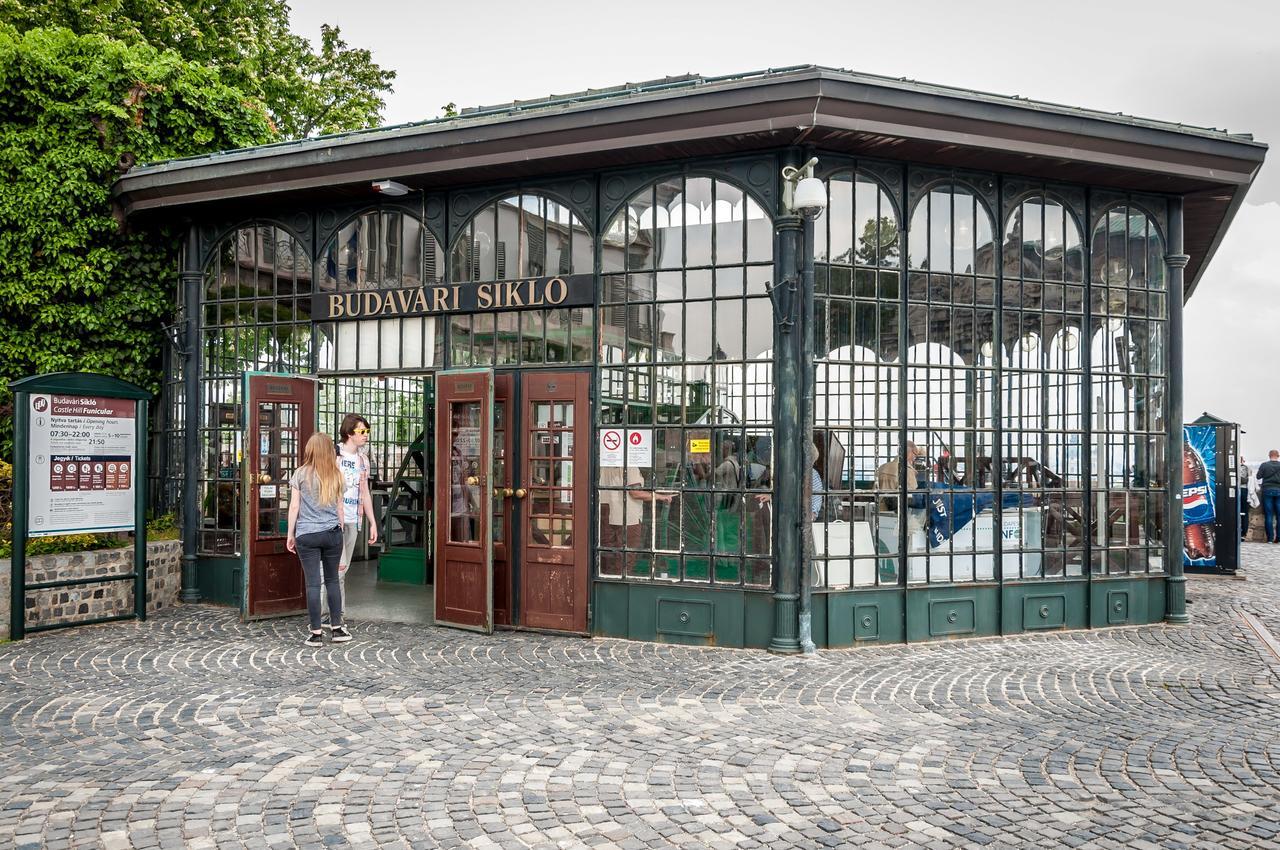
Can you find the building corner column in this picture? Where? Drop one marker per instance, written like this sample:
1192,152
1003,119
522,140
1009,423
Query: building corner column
191,279
787,516
1176,581
808,452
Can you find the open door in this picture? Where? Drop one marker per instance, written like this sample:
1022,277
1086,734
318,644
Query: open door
464,495
280,416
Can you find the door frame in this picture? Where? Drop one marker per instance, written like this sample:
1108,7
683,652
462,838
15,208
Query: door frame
248,431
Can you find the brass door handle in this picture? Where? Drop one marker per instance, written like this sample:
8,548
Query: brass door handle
264,478
506,492
472,480
521,492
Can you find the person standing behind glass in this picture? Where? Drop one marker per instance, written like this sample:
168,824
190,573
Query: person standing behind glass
315,531
888,479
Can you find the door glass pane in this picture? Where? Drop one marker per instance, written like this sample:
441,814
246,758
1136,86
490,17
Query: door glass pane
464,471
277,458
551,474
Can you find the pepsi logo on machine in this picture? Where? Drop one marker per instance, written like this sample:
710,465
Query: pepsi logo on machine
1199,453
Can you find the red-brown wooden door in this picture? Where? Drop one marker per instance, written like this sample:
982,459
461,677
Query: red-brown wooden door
463,503
552,492
280,418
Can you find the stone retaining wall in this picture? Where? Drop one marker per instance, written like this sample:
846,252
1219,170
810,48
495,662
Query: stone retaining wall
91,601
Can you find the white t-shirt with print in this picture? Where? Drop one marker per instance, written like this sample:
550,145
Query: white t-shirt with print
354,466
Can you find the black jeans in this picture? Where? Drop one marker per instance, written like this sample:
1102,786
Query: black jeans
319,553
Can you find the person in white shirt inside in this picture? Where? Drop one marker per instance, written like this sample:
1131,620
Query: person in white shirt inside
356,502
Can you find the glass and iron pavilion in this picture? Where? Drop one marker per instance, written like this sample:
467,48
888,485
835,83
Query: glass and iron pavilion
576,334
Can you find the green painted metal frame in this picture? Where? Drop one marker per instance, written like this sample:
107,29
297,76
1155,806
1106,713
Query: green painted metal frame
72,383
609,613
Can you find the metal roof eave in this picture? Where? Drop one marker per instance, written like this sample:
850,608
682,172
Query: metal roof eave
780,107
1220,233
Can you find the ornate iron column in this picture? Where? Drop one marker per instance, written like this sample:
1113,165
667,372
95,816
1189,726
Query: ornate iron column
191,288
808,454
1176,583
788,513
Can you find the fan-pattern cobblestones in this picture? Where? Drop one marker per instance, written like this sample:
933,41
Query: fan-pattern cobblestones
194,730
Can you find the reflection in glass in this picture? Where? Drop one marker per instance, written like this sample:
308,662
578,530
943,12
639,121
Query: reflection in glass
465,464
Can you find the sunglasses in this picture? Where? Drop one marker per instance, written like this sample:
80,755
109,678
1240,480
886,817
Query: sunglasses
360,431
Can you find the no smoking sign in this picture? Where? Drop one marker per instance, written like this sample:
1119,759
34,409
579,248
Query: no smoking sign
639,448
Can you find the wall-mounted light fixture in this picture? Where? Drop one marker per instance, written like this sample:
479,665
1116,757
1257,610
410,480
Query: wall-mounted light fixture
390,187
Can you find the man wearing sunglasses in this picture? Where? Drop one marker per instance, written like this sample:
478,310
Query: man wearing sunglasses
356,502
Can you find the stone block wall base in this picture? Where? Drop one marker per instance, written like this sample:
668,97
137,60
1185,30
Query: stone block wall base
59,606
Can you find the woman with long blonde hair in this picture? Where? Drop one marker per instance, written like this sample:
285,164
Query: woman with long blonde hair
315,532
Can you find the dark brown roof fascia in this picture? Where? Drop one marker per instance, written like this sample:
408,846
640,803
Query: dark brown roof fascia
752,113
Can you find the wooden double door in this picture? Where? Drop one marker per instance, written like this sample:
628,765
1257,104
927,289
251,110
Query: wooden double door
511,499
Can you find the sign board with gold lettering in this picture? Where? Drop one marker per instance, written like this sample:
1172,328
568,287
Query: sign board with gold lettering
570,290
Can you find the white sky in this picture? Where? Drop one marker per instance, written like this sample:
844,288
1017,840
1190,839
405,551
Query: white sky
1207,64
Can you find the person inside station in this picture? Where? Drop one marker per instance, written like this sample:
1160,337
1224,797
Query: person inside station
622,492
888,480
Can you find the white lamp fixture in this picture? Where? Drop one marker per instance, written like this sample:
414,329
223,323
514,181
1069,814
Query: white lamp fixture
802,193
390,187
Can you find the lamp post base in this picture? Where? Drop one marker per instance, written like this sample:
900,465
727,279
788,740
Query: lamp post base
1176,601
785,639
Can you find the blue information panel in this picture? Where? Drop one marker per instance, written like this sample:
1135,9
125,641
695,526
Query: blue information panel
1199,460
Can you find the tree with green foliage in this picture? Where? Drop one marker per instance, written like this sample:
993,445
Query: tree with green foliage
88,88
304,91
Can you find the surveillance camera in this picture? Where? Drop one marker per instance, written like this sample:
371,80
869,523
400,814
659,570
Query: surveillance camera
810,197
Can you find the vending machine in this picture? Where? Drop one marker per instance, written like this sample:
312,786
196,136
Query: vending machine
1210,493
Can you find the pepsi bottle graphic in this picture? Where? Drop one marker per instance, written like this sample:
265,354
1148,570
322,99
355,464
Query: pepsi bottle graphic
1197,507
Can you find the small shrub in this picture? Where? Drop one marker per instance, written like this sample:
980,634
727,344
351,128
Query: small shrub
60,544
163,527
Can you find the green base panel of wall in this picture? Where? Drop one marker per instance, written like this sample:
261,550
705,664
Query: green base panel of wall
669,613
220,580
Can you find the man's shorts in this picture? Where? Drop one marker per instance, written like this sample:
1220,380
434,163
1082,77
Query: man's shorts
350,531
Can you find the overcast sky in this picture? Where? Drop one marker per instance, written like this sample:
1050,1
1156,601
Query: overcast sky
1208,64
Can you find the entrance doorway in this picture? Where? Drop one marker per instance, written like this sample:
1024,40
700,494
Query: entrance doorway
511,491
480,482
390,579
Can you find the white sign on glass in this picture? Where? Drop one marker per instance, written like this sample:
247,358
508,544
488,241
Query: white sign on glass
632,446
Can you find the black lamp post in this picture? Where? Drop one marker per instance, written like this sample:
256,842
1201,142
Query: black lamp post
804,197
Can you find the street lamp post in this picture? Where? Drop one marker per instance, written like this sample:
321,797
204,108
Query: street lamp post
804,197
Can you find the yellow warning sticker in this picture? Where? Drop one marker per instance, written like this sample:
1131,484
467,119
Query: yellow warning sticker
700,447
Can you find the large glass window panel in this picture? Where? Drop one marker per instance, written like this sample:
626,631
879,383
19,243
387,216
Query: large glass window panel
702,320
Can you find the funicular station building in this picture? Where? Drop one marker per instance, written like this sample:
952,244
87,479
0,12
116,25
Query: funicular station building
617,384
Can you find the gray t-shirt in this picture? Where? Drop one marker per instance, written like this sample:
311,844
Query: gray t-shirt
312,516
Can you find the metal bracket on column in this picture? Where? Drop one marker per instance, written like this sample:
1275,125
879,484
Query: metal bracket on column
787,288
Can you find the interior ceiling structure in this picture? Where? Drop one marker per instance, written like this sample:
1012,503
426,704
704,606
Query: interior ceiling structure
691,117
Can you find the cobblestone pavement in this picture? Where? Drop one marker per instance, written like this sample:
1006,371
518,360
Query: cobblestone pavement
193,730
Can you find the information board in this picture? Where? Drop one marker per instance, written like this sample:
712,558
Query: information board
82,464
